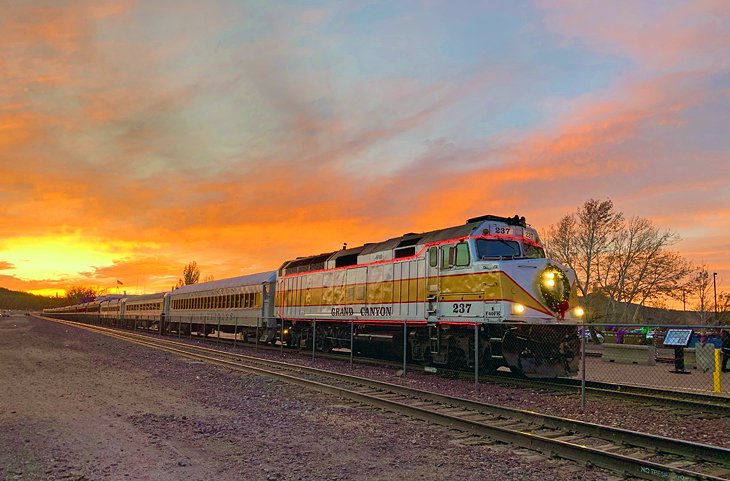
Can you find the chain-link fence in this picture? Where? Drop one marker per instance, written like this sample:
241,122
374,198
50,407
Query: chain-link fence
670,357
677,358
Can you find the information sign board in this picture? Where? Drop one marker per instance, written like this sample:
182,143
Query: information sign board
677,337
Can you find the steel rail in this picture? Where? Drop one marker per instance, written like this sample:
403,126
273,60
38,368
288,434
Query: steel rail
710,403
523,435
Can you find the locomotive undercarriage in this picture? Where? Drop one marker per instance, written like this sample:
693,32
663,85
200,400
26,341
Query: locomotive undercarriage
534,350
542,350
545,350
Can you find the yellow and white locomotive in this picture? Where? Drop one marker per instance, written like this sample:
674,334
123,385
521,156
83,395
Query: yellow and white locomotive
490,272
479,292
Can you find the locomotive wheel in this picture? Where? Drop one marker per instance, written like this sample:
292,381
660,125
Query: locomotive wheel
517,371
458,359
428,358
489,366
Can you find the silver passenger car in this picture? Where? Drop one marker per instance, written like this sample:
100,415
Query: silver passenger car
240,304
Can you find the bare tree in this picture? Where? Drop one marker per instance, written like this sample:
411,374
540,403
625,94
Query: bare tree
621,265
703,290
191,275
723,307
637,268
79,294
579,240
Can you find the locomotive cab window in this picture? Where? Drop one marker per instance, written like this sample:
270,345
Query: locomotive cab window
497,248
433,256
455,256
533,251
447,257
461,257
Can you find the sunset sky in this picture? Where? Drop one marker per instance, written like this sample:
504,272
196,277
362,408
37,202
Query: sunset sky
137,136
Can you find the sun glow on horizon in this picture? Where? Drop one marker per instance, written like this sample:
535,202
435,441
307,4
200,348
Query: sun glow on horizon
58,256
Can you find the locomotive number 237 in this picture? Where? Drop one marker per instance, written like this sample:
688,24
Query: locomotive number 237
461,308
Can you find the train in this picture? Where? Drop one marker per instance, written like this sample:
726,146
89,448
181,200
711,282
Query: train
481,293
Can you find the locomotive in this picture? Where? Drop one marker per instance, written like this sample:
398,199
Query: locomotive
482,292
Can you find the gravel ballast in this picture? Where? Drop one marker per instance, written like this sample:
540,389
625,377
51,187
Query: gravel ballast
76,405
663,420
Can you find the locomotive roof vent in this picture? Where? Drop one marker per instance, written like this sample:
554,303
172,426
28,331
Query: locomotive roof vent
406,247
515,220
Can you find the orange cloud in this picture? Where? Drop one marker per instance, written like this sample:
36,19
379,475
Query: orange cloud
112,148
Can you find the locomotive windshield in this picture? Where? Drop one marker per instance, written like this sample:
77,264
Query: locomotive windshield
500,248
490,248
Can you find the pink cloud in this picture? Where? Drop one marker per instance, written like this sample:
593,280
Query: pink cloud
657,35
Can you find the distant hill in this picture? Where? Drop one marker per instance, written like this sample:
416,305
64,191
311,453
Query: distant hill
30,302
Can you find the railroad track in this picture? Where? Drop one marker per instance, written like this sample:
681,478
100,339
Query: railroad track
626,452
714,405
718,404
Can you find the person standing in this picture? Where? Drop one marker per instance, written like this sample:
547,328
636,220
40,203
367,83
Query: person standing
725,350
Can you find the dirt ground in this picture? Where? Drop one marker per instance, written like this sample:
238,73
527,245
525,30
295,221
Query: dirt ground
76,405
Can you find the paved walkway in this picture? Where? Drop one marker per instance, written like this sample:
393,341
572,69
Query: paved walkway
658,376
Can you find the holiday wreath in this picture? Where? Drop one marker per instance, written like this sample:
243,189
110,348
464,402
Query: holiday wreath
555,288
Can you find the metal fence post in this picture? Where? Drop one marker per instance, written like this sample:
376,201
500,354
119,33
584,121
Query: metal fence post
314,337
405,340
281,338
258,319
352,341
235,331
218,332
583,366
476,357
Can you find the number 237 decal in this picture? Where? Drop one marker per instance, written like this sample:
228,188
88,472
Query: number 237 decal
461,308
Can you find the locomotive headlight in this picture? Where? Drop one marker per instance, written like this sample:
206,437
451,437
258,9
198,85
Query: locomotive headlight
286,331
518,308
578,311
548,279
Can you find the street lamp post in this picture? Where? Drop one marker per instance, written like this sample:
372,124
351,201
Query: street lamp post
714,289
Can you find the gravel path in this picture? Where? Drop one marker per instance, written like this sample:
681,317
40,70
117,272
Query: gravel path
76,405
